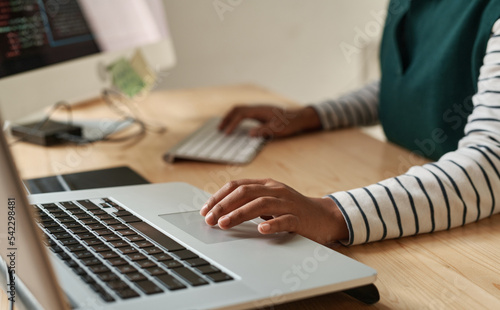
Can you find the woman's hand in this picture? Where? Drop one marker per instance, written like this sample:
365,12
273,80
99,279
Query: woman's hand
276,122
318,219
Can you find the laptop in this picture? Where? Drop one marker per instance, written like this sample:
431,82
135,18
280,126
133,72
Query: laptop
147,247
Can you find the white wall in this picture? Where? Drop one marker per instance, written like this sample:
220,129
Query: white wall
307,50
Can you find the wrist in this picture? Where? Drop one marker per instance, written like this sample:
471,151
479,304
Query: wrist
338,230
310,119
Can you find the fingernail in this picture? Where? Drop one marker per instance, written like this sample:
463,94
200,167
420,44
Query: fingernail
203,209
265,227
209,219
224,221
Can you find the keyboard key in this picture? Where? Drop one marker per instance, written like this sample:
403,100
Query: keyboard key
148,287
170,282
112,237
119,226
127,293
83,254
122,213
103,232
189,276
155,271
101,248
135,276
111,221
144,244
171,264
108,276
135,238
70,205
118,285
146,264
76,248
119,244
92,242
154,250
126,269
137,257
195,262
184,254
117,261
87,204
128,250
99,269
130,219
157,236
162,256
219,277
108,254
91,261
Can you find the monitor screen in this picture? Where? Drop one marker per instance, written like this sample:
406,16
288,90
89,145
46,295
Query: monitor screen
32,35
53,51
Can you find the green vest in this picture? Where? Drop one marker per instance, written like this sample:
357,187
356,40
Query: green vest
430,58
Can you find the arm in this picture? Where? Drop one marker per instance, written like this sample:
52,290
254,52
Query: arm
357,108
462,187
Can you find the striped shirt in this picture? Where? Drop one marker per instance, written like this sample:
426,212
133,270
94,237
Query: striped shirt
463,186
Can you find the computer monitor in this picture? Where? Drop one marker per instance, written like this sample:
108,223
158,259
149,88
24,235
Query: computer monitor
53,51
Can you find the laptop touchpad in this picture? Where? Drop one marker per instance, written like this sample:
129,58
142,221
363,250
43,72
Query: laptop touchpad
194,224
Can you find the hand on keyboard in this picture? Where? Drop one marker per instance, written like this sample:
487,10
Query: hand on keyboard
276,122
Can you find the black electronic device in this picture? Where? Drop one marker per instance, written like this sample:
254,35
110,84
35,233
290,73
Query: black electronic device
45,133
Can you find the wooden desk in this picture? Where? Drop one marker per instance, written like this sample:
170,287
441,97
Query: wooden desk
457,269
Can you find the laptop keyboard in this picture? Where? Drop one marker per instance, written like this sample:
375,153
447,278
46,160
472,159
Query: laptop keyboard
117,254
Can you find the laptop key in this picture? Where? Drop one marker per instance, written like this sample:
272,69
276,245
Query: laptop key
130,219
119,243
91,261
136,276
171,264
146,264
219,277
155,271
128,250
99,269
108,254
107,276
87,204
162,257
127,293
137,257
118,285
117,261
195,262
119,226
184,254
170,282
154,250
189,276
127,269
148,287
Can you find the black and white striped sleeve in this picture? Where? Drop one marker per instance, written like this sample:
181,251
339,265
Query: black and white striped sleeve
462,187
358,108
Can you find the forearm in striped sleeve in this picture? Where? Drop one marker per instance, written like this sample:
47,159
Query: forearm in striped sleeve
462,187
358,108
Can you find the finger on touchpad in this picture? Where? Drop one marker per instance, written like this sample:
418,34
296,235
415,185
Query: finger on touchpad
194,224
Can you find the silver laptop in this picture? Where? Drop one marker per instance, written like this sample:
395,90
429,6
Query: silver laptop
146,247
